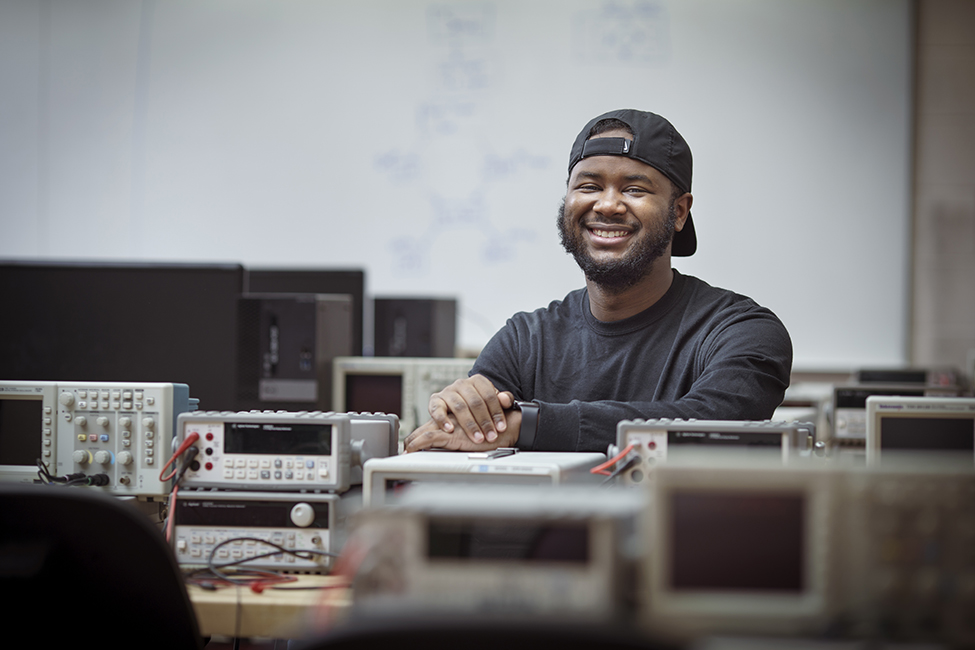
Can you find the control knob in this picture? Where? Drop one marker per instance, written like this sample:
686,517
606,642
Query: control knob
302,515
81,421
103,457
102,421
81,456
125,458
125,422
66,398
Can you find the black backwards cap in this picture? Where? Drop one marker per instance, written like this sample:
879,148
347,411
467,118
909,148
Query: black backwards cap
655,142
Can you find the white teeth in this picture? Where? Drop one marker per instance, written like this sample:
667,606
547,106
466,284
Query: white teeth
609,233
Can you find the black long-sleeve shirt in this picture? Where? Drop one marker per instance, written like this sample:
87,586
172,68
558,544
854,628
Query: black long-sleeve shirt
698,352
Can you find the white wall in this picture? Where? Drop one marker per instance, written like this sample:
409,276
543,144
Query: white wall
427,142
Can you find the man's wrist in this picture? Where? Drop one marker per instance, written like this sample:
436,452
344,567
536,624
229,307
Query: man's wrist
529,423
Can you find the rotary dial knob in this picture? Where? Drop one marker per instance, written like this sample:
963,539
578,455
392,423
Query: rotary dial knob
302,515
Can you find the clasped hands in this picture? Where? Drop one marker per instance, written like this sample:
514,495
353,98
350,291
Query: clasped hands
469,415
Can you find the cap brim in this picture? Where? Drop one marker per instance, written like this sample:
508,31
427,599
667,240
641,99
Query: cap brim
685,241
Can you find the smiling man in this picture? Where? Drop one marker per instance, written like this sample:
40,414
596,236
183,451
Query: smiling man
641,340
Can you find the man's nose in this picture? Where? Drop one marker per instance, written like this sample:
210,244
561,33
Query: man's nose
610,202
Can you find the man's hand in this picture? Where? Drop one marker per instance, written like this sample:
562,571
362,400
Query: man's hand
431,435
475,406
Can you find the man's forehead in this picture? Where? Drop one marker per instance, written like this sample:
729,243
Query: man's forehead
602,165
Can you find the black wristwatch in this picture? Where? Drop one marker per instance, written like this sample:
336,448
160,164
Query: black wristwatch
529,423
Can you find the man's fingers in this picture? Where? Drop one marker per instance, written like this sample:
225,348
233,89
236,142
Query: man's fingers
430,436
473,404
439,412
486,409
492,403
506,399
467,406
427,436
423,441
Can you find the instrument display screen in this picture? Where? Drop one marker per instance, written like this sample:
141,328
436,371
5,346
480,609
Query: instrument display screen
278,438
738,541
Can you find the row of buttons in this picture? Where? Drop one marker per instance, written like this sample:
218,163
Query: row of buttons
115,394
253,475
224,553
238,549
110,406
265,463
116,399
281,539
47,432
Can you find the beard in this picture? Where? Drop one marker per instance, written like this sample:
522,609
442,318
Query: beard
616,276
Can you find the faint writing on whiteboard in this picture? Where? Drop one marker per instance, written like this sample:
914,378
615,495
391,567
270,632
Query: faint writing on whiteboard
463,33
443,117
467,21
413,254
635,33
502,167
464,73
399,166
454,171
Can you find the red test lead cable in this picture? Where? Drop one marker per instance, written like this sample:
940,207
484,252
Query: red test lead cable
190,439
601,469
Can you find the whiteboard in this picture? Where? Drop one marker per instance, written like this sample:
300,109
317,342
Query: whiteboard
427,143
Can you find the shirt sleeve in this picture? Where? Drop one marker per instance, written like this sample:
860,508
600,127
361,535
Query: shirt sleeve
503,359
741,372
738,371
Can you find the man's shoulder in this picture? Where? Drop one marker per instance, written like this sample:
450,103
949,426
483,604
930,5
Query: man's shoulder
703,294
721,313
567,307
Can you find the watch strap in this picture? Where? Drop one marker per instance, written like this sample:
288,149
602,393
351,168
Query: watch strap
529,423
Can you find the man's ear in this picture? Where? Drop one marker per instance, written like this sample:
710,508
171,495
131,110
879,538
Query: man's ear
682,208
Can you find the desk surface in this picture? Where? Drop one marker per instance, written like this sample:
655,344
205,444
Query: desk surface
295,611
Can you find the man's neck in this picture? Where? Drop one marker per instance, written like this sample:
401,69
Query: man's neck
608,306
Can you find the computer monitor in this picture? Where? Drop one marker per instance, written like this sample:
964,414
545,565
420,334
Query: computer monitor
122,322
286,344
414,327
738,548
899,424
315,280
